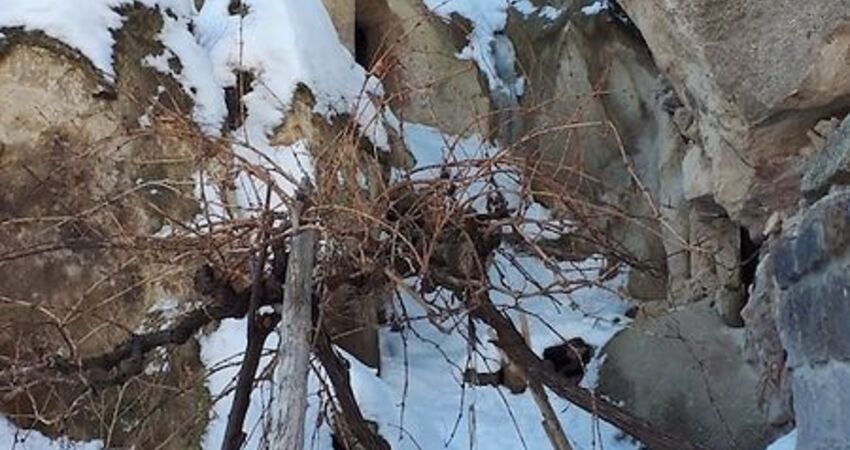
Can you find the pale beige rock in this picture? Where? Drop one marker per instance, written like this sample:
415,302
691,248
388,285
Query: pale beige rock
757,74
697,175
85,187
342,14
415,53
600,131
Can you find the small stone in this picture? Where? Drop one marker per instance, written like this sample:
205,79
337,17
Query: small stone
696,174
773,224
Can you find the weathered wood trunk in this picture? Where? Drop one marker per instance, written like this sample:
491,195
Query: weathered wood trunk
295,343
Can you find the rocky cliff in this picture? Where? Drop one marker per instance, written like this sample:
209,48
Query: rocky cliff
702,145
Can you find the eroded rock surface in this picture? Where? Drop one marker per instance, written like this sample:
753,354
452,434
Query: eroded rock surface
414,53
84,182
687,371
757,76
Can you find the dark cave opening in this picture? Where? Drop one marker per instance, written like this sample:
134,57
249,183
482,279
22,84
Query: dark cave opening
749,253
361,46
377,33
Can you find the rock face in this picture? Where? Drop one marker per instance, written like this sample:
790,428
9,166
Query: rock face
606,124
677,133
609,127
757,76
342,13
722,115
813,273
831,165
613,148
414,53
687,371
83,183
764,347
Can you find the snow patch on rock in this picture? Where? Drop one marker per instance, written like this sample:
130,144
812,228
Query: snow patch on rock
489,18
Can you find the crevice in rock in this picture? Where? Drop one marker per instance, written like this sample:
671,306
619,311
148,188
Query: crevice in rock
361,46
375,32
749,254
615,13
378,32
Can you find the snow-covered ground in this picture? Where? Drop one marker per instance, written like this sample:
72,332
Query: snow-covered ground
221,353
420,401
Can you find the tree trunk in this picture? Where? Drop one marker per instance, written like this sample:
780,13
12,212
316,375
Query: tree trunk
295,342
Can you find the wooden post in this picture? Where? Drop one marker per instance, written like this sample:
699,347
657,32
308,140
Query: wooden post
296,326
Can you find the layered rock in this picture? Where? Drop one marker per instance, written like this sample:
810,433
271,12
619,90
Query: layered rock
605,123
757,75
596,125
718,155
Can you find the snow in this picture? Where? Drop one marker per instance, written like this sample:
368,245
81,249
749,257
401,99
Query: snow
85,25
546,11
419,400
787,442
524,6
489,18
221,353
12,437
433,149
436,152
195,76
283,44
596,7
550,12
286,44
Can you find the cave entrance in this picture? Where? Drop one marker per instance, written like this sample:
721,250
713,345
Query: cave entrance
377,31
749,253
361,46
